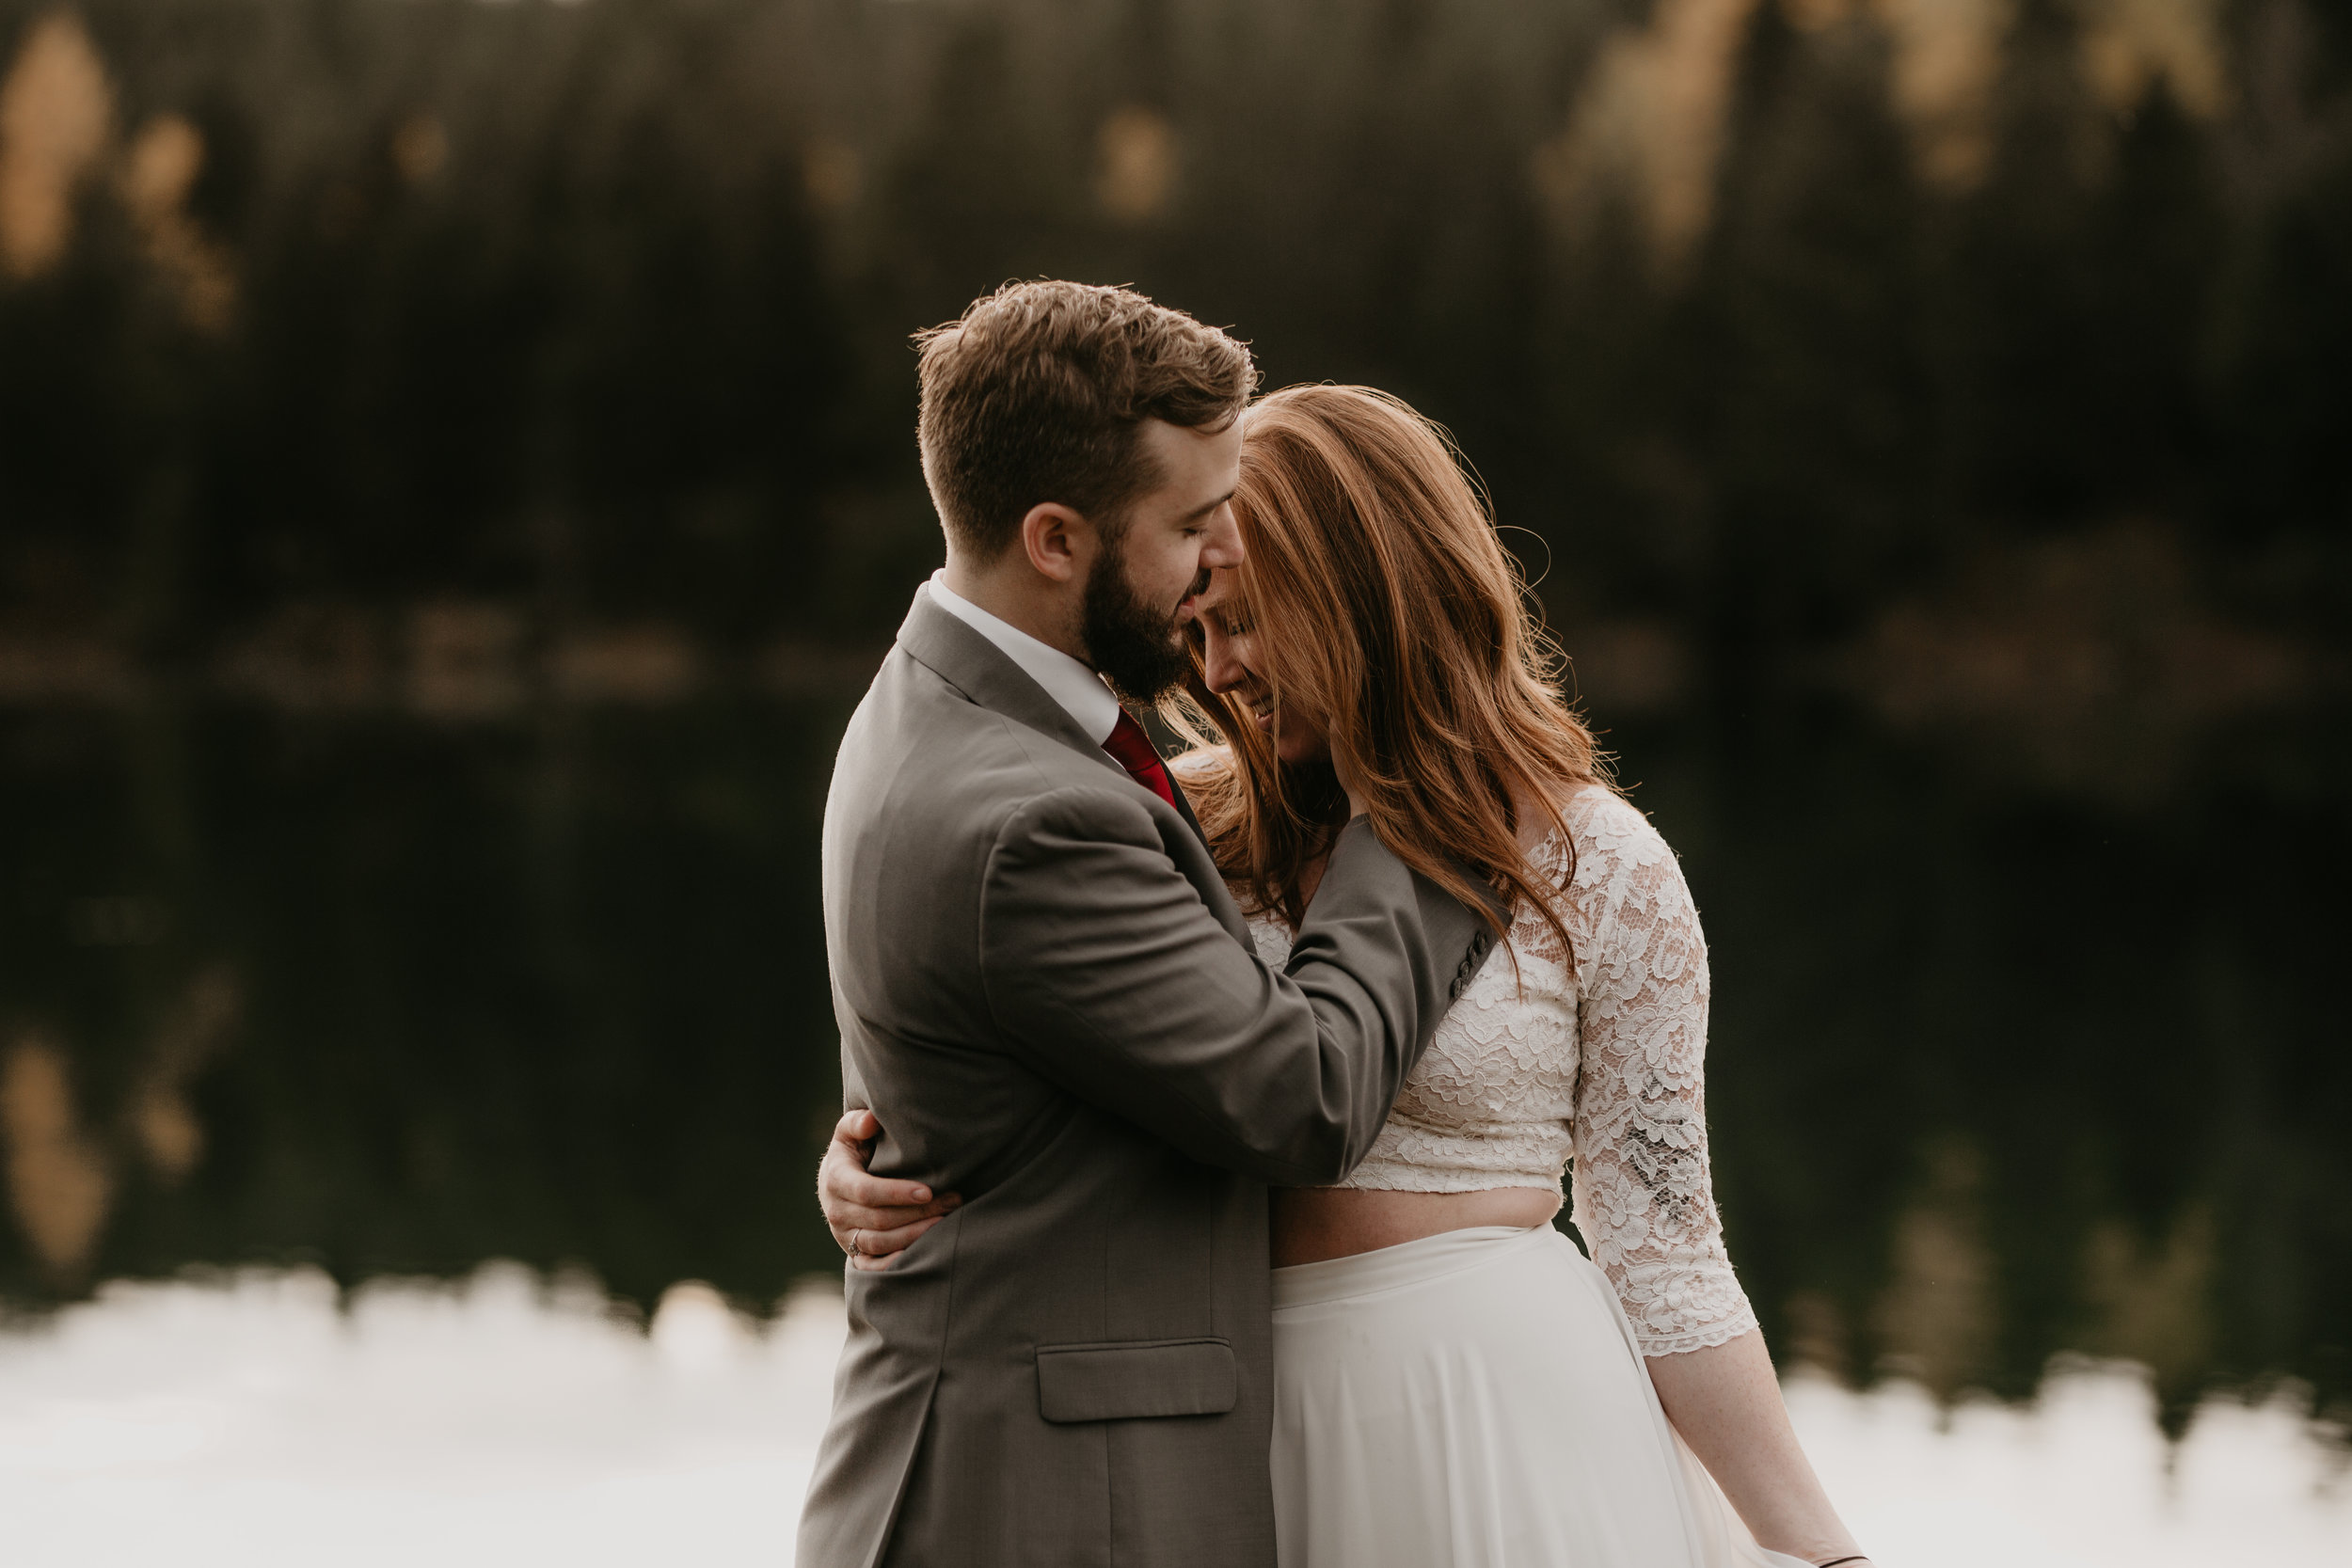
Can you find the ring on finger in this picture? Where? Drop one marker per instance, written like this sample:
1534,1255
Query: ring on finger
857,1244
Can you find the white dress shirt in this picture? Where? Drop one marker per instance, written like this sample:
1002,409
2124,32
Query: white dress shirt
1077,689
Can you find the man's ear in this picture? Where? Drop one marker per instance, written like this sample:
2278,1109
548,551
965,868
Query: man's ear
1059,542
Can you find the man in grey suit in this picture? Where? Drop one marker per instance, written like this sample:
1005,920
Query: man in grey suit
1050,1000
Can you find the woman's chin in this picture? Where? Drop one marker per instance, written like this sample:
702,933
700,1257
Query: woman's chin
1290,745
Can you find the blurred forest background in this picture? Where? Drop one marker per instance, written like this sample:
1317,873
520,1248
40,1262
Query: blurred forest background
456,473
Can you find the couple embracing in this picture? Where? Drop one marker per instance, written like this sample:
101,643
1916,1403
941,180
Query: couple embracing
1209,1117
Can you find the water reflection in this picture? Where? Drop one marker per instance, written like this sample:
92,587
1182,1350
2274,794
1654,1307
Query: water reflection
398,996
1998,1075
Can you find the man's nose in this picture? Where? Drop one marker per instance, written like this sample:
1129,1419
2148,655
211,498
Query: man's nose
1220,545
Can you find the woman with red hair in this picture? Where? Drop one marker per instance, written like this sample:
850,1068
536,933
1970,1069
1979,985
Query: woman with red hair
1456,1383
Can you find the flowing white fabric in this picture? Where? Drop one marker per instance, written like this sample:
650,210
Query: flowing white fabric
1477,1400
1601,1060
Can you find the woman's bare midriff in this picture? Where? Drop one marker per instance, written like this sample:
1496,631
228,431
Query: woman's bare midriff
1314,1224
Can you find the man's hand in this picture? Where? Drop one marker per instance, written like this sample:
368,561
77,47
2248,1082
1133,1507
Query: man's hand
873,1217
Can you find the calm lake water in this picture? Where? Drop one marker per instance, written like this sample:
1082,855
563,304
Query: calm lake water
2016,1065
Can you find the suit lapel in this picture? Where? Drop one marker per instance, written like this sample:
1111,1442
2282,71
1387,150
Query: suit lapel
985,672
1184,809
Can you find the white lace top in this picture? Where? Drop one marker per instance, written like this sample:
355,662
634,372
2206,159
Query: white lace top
1605,1064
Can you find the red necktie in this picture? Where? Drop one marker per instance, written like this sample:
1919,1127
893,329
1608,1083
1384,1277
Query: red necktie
1137,754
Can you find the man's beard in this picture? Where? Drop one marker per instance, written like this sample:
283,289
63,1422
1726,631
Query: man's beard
1135,647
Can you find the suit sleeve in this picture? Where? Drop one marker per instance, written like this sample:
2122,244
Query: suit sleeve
1110,976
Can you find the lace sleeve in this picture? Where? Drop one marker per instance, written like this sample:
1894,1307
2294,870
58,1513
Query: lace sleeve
1642,1195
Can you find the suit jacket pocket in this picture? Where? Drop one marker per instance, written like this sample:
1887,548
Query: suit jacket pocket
1136,1378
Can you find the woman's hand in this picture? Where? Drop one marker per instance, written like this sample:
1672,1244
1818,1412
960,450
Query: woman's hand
872,1218
1725,1403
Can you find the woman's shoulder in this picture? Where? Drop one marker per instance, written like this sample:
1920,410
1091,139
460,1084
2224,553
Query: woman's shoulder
1609,833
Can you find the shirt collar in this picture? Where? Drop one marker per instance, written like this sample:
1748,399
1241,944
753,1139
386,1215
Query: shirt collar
1077,689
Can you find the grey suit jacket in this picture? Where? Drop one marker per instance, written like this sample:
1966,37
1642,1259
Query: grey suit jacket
1048,997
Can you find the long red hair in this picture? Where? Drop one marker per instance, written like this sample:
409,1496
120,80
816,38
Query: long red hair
1386,606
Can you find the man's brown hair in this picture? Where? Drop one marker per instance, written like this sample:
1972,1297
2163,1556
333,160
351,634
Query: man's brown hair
1036,393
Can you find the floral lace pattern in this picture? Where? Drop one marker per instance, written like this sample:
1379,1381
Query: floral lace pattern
1536,1064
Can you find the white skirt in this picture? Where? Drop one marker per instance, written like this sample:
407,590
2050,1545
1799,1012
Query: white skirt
1477,1400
